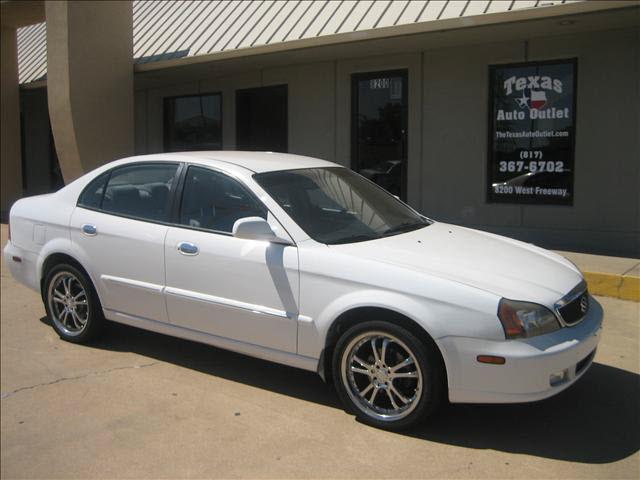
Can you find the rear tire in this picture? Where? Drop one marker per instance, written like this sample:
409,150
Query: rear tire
386,376
72,304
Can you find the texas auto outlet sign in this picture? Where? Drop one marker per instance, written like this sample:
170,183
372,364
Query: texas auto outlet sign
531,132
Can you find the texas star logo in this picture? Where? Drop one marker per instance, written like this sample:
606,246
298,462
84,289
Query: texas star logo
536,101
537,87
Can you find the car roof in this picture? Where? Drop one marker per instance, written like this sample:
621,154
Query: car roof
257,162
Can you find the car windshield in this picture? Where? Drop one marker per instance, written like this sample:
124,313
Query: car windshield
336,205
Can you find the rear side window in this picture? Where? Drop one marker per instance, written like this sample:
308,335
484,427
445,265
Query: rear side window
141,191
91,197
214,201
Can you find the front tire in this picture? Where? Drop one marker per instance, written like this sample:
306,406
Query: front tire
72,304
386,376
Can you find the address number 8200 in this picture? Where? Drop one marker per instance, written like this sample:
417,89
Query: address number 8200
532,166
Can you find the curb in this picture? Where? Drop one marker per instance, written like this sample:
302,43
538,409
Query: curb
624,287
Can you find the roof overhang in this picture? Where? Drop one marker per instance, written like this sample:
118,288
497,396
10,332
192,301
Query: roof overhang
511,26
18,14
525,14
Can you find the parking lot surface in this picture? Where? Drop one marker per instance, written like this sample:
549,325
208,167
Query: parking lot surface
141,405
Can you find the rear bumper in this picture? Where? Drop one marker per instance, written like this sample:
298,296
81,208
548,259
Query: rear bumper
22,265
532,366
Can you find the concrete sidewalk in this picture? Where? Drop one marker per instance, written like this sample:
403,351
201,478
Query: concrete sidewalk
609,276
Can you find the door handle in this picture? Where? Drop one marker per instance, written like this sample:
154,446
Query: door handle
188,248
89,230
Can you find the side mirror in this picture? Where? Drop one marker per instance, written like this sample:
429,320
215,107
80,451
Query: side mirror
256,228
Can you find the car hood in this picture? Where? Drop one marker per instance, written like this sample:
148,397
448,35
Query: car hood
505,267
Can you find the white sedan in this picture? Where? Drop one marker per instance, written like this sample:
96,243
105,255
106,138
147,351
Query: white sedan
303,262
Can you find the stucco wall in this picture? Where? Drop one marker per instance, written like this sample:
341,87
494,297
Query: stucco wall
311,106
448,101
90,82
605,213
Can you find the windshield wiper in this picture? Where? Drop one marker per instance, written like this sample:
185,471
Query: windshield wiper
355,238
404,227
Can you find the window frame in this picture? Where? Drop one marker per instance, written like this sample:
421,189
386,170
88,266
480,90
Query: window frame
176,195
170,202
165,120
107,176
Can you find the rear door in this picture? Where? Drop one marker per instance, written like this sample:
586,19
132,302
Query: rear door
238,289
120,225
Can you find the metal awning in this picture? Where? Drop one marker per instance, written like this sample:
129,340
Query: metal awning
165,31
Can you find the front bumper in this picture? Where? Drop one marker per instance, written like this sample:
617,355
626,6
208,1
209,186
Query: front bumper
531,367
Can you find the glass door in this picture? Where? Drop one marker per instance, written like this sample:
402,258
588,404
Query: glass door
261,119
379,128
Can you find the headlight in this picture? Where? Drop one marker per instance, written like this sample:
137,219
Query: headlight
524,320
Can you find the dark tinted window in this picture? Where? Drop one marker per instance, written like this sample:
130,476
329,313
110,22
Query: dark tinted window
261,119
140,191
91,196
214,201
379,123
193,123
336,205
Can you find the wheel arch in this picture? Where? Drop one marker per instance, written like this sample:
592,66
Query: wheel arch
56,258
355,315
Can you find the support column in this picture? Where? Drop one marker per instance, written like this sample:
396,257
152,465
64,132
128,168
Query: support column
90,82
10,155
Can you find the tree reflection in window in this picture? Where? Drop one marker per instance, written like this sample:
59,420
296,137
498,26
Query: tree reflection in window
193,122
336,205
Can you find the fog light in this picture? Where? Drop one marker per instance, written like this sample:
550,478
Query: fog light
559,377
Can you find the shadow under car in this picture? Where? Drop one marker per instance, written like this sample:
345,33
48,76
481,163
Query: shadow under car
595,421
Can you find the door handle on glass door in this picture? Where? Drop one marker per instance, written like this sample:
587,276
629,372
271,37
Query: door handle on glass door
187,248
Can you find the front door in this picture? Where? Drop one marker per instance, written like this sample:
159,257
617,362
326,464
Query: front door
379,129
261,119
238,289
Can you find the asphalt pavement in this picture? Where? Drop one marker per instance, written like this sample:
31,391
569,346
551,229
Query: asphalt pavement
141,405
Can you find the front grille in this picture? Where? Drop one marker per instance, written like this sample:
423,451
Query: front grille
574,306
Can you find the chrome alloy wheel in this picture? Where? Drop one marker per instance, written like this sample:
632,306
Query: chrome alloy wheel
381,375
68,303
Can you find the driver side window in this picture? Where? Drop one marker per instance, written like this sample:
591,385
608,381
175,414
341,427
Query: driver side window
214,201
